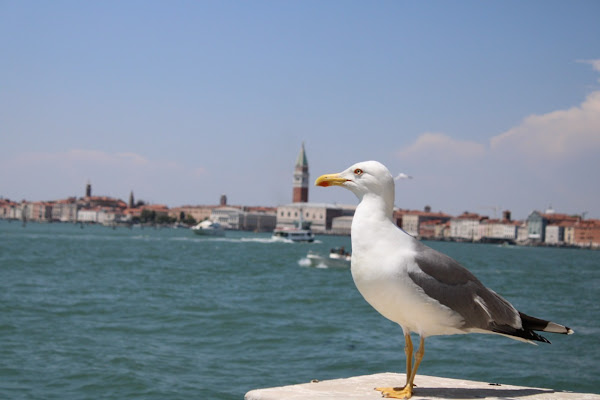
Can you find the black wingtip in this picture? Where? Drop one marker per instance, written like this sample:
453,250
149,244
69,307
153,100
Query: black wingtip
536,324
524,334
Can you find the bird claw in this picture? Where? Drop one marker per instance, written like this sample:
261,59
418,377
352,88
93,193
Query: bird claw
396,392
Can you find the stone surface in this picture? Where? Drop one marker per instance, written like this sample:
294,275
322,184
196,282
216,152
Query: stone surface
428,387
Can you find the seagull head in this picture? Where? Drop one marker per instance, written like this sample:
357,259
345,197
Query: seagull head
367,178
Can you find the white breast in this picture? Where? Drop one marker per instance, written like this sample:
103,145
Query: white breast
380,271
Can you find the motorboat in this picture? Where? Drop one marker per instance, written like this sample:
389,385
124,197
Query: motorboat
337,258
293,235
340,254
209,228
300,232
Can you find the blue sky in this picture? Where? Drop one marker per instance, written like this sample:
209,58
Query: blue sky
486,104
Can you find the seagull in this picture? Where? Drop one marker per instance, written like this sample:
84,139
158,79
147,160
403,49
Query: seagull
424,291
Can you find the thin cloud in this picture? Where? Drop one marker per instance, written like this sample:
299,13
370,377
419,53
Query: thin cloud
443,147
60,174
594,63
134,158
79,156
402,175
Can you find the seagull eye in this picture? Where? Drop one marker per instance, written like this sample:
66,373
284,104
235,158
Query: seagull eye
358,171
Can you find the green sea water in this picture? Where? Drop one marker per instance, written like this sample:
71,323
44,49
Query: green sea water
97,313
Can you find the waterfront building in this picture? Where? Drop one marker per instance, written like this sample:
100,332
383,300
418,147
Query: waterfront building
65,210
555,234
587,233
465,227
537,223
87,215
38,211
20,210
228,217
257,219
199,213
341,225
102,201
159,209
522,233
319,216
536,227
110,217
412,222
494,230
8,209
432,229
570,234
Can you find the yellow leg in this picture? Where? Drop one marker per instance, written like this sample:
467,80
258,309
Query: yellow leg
406,391
408,350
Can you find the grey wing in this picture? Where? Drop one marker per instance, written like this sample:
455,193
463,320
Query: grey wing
448,282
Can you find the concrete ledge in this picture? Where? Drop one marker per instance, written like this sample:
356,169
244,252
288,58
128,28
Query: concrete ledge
428,387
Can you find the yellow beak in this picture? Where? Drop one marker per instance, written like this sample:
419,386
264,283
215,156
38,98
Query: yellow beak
330,180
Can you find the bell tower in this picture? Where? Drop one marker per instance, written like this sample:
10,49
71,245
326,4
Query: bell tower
300,194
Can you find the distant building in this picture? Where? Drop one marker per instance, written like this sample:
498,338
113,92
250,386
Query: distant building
158,209
587,233
537,223
102,201
555,234
228,217
199,213
65,210
245,219
466,227
319,216
8,209
38,211
412,222
494,230
87,215
257,220
536,227
300,188
341,225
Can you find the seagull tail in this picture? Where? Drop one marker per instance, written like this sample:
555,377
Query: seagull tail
531,324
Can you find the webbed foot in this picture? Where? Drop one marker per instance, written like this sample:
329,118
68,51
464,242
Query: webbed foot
396,392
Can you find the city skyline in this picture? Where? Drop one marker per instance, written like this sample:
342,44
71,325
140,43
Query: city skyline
494,213
493,105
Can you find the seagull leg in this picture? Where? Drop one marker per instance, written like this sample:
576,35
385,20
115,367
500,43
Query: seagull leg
408,350
406,391
418,358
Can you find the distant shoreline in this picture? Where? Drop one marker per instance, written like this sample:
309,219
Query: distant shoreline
500,243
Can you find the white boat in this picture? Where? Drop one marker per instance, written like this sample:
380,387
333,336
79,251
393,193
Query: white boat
338,258
299,233
209,228
293,235
340,254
